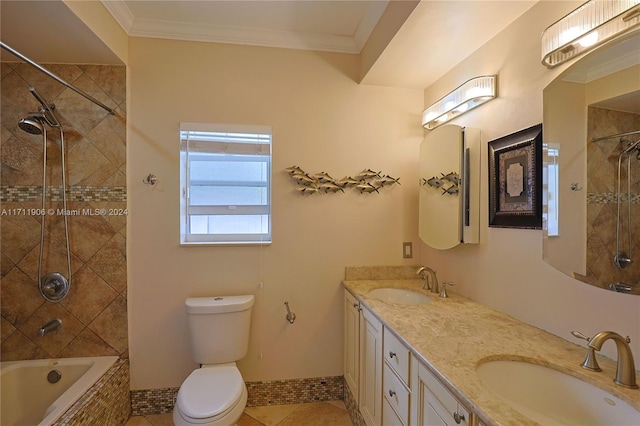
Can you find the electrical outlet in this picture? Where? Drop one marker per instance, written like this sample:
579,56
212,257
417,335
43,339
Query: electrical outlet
407,250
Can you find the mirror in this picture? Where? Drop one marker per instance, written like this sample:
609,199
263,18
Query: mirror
591,120
450,187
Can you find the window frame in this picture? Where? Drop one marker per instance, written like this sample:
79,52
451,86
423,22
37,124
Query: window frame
247,142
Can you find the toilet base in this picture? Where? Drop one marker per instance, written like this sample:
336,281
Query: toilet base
230,419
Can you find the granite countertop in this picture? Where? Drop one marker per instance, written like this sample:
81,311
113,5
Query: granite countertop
453,335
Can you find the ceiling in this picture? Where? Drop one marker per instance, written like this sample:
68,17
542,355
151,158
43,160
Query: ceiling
435,37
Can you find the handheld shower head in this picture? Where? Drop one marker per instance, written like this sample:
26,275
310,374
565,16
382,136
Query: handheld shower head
31,125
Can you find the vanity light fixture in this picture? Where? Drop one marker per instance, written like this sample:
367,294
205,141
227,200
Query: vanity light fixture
469,95
590,25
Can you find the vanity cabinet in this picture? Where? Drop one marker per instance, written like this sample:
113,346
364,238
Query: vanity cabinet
389,383
432,403
363,359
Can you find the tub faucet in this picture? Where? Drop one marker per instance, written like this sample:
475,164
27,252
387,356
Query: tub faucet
626,370
52,325
430,273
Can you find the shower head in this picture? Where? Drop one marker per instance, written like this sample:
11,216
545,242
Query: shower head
31,125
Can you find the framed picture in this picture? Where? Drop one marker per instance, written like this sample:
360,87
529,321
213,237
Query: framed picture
515,180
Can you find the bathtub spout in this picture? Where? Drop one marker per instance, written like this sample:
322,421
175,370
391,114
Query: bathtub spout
52,325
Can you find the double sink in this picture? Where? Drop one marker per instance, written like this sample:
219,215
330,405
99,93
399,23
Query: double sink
543,394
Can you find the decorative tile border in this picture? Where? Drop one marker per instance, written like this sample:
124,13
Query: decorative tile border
276,392
105,403
610,198
352,407
153,401
74,193
295,391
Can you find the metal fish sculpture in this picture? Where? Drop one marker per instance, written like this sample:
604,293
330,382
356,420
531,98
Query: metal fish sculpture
304,179
435,182
452,190
368,174
367,187
293,170
388,180
452,177
347,182
307,189
330,187
323,177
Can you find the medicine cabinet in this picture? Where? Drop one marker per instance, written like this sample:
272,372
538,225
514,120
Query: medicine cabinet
450,187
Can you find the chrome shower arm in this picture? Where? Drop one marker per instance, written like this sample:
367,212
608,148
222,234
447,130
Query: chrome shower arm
55,77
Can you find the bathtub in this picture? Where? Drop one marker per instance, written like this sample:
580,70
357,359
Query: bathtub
28,398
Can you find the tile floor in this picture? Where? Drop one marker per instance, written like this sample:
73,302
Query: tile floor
328,413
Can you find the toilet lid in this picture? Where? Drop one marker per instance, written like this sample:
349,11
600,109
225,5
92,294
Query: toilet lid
210,392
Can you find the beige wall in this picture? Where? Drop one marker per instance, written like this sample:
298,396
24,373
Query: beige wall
322,121
506,270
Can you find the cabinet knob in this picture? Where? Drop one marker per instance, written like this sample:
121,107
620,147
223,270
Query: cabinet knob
458,417
392,354
392,392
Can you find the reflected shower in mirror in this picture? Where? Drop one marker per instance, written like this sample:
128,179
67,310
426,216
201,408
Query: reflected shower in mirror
592,168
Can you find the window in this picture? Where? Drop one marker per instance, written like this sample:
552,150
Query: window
225,173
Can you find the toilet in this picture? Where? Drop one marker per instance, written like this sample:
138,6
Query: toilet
215,393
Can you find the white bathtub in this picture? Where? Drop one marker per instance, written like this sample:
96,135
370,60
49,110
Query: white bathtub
29,399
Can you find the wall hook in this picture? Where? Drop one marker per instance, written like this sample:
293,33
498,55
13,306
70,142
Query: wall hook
151,179
291,317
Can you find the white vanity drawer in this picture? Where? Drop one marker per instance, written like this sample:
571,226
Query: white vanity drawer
396,393
397,355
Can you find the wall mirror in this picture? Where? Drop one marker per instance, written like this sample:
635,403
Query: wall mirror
450,187
591,201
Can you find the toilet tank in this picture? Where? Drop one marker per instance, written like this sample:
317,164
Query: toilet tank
219,328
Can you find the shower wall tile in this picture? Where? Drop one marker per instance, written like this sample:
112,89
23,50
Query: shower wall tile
87,343
20,297
90,296
94,314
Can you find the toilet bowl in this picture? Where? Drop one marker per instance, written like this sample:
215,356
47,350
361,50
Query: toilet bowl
211,395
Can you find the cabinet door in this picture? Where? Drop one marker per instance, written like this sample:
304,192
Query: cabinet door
432,404
351,343
370,368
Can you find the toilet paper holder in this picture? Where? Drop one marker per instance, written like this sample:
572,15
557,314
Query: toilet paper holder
291,317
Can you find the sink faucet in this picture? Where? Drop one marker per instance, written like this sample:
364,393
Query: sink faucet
432,275
626,370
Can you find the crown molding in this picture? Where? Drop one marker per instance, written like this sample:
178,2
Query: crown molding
173,30
121,13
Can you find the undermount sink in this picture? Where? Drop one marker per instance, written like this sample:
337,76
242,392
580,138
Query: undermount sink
401,296
551,397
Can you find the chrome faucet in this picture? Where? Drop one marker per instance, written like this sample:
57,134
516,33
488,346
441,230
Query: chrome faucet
52,325
626,370
431,274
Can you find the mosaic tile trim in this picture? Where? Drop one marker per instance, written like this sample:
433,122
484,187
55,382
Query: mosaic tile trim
105,403
295,391
74,193
610,198
153,401
276,392
352,407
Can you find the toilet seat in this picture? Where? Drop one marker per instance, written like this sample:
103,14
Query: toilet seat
210,393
